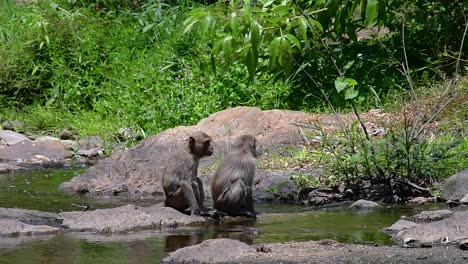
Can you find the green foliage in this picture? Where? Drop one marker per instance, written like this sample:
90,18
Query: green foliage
354,159
311,43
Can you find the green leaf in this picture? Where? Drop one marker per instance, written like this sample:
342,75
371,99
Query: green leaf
371,13
274,50
234,23
351,82
362,8
255,34
355,158
350,93
303,26
268,3
316,24
382,11
247,12
252,62
340,84
294,41
227,48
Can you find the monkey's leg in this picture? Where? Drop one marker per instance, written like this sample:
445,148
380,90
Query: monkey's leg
200,196
189,196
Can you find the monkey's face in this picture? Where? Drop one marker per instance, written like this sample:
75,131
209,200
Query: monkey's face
208,148
200,145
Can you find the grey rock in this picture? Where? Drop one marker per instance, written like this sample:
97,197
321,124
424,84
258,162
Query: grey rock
364,204
274,186
66,135
70,144
13,228
46,139
9,168
26,150
11,137
127,218
423,200
89,153
444,231
32,217
456,187
14,125
464,200
210,251
91,142
463,244
429,216
398,226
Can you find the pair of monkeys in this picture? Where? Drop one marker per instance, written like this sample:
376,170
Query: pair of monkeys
231,186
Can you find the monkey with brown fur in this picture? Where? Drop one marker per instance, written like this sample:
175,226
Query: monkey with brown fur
182,187
231,186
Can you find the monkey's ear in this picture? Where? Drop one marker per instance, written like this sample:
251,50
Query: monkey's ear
191,141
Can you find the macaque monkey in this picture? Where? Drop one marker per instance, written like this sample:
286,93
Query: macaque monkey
232,182
182,187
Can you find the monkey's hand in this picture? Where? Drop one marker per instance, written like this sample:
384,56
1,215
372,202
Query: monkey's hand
213,213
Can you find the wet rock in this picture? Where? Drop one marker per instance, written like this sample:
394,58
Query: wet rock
428,216
9,168
14,228
32,217
439,232
463,245
127,218
210,251
11,137
398,226
322,196
456,187
364,204
423,200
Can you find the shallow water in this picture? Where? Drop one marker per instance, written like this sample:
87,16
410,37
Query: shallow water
276,223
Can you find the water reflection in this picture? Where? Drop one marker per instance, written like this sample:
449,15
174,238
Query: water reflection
275,223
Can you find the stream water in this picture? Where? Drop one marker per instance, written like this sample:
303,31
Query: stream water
276,223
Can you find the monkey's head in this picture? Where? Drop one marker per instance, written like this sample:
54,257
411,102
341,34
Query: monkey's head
200,144
248,143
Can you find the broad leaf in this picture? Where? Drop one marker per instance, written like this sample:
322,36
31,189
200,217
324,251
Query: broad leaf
255,34
350,93
340,84
294,41
371,13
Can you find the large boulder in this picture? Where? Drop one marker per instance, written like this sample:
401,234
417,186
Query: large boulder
210,251
31,217
14,228
127,218
138,170
8,137
439,232
27,150
456,187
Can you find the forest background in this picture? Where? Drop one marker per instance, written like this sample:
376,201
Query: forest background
96,66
